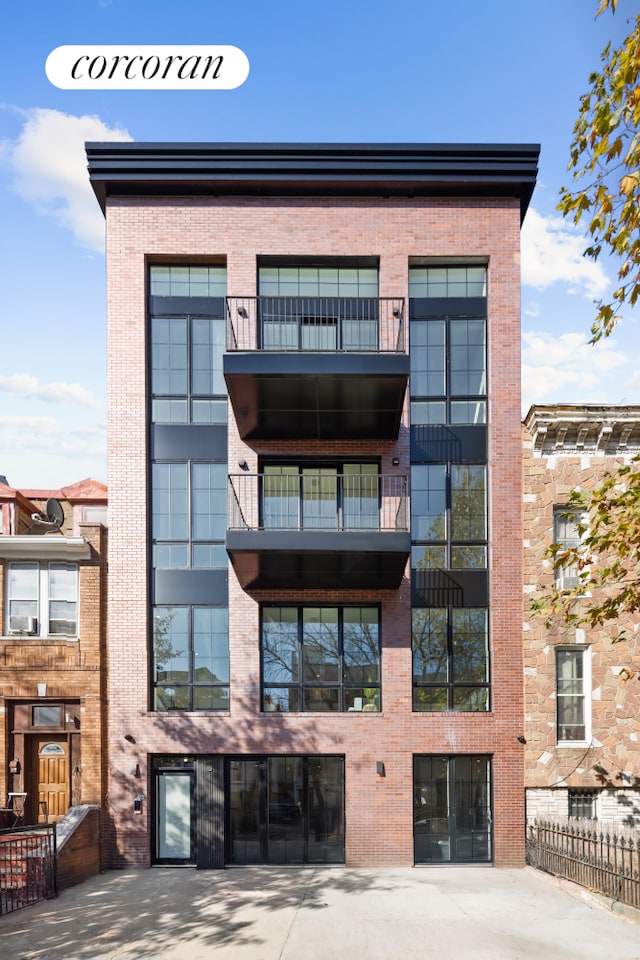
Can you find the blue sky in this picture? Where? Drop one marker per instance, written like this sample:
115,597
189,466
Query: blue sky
409,71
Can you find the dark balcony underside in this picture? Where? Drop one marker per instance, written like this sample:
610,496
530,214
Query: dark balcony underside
316,395
296,560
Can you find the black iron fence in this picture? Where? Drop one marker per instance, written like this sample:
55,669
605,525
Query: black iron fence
27,866
604,861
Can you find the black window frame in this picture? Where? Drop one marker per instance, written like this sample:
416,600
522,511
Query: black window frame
191,685
190,308
453,688
448,543
448,397
191,541
371,690
301,464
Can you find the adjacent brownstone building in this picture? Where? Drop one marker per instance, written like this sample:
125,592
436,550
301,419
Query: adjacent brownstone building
53,568
582,725
307,662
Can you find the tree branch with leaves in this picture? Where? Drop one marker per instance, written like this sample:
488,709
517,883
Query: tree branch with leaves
606,562
605,160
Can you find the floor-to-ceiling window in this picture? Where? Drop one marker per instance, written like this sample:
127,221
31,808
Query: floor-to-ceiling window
285,809
189,647
452,809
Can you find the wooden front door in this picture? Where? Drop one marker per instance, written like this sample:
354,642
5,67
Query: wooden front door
51,778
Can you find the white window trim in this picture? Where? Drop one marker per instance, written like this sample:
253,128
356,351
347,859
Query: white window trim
587,693
558,571
43,600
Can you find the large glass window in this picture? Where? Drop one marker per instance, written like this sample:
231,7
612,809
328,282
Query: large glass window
450,659
318,281
455,281
573,704
186,280
452,809
314,307
323,659
448,353
190,658
42,599
449,516
341,497
285,809
189,514
187,384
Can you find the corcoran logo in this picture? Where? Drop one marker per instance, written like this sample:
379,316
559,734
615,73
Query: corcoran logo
147,67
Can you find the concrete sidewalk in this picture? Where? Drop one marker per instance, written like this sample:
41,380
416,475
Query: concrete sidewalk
271,913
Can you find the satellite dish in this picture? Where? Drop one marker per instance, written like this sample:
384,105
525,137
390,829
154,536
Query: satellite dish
54,511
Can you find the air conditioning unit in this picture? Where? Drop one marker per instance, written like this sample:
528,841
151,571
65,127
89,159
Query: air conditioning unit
23,625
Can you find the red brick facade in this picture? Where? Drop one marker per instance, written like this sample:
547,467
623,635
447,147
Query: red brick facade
235,231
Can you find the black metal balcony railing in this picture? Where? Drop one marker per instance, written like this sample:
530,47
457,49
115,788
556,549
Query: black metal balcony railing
310,501
329,324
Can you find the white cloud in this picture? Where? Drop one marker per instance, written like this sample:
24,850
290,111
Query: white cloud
44,453
42,426
553,252
568,369
25,385
49,168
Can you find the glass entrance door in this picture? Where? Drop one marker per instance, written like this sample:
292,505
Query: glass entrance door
286,810
452,809
174,817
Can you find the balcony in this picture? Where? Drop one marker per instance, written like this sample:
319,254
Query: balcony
316,367
318,529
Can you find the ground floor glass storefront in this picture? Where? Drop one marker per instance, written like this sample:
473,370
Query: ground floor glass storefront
214,811
249,810
452,809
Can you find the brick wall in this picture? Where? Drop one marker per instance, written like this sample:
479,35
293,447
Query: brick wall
74,672
379,810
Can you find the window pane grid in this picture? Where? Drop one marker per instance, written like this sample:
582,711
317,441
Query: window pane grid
566,535
42,599
314,281
450,659
448,355
186,350
571,700
188,281
448,281
189,515
190,658
449,516
320,659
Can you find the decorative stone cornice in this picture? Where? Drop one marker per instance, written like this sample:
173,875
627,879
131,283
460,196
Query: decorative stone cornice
570,429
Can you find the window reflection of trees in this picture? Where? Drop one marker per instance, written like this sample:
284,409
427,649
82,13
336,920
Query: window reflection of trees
450,659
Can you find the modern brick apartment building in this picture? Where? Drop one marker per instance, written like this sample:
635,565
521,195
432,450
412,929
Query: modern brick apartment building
582,726
315,598
53,568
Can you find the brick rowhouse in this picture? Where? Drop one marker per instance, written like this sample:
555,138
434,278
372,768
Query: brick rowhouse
53,595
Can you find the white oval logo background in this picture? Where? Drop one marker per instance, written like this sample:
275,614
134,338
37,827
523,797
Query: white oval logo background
147,67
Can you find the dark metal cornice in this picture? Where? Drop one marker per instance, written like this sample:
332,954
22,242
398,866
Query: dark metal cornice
305,169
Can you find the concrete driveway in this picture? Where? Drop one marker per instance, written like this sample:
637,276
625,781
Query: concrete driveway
261,913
